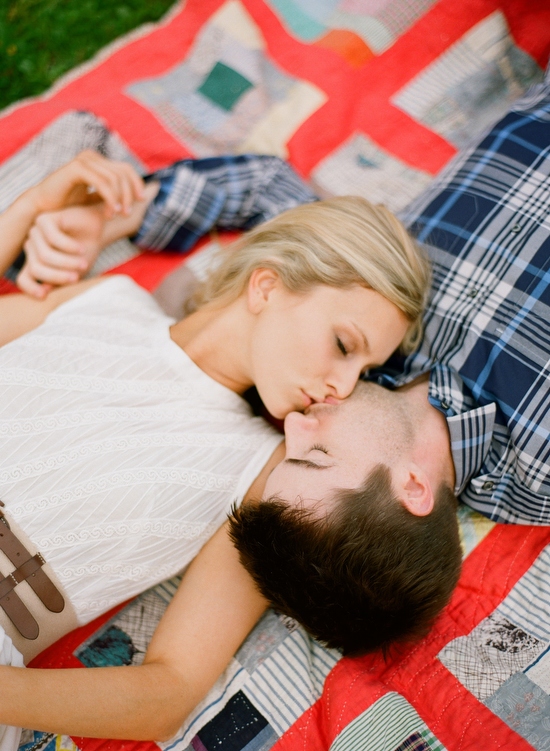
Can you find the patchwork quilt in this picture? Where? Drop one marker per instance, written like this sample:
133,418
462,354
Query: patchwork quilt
371,97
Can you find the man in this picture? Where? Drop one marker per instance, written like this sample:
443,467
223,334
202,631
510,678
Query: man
482,367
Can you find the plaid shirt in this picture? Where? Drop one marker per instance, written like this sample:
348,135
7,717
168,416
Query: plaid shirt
486,225
230,192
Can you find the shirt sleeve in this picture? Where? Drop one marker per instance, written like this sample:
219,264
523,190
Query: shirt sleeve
231,192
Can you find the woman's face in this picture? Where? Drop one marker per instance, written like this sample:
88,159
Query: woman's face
312,347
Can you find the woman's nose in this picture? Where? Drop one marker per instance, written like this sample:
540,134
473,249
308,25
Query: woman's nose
343,380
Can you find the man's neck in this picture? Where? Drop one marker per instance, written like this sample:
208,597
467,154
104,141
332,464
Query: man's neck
433,443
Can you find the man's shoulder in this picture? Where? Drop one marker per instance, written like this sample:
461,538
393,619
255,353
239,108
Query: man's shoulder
493,187
485,225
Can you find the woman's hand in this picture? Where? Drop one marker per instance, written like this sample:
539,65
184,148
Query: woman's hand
86,179
61,247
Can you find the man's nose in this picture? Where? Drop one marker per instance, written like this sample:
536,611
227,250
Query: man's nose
299,431
297,422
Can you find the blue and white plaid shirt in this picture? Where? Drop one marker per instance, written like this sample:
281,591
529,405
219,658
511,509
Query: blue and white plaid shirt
485,223
486,226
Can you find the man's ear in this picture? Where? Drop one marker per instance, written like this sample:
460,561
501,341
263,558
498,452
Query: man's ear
260,285
416,492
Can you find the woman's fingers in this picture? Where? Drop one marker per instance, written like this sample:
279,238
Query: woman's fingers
63,245
136,181
51,228
49,274
130,184
116,182
28,284
46,264
104,178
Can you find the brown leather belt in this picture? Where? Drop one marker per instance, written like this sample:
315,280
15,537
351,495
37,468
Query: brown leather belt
29,569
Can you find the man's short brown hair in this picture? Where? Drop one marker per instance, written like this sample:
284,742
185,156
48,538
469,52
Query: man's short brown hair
365,576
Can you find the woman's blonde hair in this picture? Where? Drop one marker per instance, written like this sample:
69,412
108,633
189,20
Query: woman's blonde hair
339,242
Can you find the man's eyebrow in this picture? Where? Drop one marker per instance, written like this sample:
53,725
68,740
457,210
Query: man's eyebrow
306,463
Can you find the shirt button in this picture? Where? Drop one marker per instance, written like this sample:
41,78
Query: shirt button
473,292
444,405
515,228
488,485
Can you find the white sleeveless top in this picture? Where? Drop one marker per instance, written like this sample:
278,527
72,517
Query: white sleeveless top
119,457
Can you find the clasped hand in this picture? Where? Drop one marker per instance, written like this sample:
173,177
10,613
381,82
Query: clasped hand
74,205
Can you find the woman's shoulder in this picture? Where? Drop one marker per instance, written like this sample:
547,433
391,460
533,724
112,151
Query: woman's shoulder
113,295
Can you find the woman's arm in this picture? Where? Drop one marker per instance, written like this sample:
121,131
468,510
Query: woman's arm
21,313
213,610
89,174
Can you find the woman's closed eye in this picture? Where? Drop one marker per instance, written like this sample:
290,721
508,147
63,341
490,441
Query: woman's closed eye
341,346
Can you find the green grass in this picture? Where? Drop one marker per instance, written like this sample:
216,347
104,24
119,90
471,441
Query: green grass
42,39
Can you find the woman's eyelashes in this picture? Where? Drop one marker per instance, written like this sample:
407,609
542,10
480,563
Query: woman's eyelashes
341,346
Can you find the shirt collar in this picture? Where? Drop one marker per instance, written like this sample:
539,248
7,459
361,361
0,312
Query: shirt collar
470,433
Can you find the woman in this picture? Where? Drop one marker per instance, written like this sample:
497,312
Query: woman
300,308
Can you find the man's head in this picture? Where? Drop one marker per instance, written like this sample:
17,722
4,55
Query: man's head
356,536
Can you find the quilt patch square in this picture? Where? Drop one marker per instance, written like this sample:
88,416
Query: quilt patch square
360,167
238,723
472,84
224,86
389,723
35,740
377,25
524,707
124,639
539,672
528,603
495,650
290,678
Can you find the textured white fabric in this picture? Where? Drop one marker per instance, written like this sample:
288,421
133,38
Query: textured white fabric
119,457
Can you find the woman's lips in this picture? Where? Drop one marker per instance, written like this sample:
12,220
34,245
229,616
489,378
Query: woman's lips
308,401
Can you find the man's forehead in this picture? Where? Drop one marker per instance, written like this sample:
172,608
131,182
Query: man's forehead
370,391
369,407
